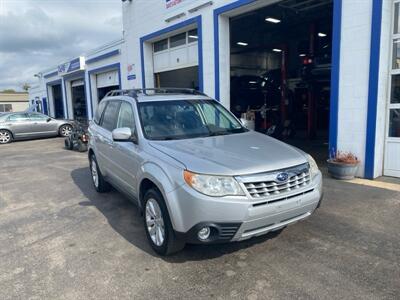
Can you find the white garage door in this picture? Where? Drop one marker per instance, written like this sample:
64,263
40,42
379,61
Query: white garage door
176,52
107,79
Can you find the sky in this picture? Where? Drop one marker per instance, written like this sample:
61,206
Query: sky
37,34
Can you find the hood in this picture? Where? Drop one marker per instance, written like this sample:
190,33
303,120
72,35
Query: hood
235,154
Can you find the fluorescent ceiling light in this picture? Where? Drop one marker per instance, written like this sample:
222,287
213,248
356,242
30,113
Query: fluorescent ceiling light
242,43
252,82
272,20
193,36
321,34
277,50
302,55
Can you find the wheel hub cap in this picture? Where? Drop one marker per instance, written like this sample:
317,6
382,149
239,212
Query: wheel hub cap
4,137
95,176
155,222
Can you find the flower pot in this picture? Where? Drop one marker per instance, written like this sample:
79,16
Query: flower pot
341,170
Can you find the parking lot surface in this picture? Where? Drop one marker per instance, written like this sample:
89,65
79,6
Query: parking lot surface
59,239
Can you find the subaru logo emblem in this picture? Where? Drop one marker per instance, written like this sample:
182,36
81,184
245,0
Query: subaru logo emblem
282,176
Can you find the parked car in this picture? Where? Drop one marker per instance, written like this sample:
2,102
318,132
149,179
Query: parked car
196,173
78,138
22,125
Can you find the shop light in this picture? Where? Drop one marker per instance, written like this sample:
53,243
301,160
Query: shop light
242,43
277,50
321,34
272,20
302,55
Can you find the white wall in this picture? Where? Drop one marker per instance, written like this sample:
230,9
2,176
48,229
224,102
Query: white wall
354,78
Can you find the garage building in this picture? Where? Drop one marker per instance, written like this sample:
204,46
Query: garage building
319,74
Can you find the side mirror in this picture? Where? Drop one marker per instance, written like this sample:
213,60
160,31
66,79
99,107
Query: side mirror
124,134
48,120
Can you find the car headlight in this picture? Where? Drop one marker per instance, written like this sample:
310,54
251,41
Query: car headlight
212,185
313,166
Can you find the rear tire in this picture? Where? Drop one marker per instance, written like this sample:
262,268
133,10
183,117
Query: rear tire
157,224
100,184
68,144
5,136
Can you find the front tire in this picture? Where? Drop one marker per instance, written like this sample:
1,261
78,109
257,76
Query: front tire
100,184
65,130
157,223
5,137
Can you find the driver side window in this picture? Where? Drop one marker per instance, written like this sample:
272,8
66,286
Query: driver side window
125,117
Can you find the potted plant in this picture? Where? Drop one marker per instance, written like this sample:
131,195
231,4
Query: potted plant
342,165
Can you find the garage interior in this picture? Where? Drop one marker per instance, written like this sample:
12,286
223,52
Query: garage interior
280,71
79,100
58,101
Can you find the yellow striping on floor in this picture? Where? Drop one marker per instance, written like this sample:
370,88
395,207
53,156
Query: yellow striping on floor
378,184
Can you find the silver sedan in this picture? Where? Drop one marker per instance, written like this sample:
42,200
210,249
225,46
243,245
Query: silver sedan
21,125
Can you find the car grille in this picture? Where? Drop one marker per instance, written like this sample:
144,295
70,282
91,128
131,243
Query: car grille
268,185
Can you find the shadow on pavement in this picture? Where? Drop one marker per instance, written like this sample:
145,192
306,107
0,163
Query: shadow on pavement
125,218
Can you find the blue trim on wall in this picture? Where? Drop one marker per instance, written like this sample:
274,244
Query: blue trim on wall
196,20
335,71
376,25
116,66
50,74
103,56
45,106
66,113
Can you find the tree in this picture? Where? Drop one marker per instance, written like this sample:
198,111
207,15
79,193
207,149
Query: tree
8,91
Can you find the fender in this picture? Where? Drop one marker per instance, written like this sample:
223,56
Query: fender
153,172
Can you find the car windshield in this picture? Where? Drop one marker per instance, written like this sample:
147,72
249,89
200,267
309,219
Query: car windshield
183,119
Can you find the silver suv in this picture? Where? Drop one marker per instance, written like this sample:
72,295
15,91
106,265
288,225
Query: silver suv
195,172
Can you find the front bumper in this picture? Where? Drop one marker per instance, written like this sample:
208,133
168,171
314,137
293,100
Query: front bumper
239,218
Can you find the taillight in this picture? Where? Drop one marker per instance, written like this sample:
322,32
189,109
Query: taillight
84,138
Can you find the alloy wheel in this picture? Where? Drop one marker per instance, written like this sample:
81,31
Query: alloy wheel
95,175
5,137
155,222
66,130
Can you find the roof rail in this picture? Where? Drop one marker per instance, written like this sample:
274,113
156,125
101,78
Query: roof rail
153,91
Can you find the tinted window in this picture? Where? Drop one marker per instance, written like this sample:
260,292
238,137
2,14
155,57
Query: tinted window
18,117
99,112
110,115
38,117
125,118
161,45
192,36
177,40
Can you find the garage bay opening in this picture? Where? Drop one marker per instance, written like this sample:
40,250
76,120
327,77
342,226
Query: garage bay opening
79,100
280,71
58,101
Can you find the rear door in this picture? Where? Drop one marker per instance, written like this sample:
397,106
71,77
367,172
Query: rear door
104,136
43,125
20,125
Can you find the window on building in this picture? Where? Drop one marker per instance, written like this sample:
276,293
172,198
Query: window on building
161,45
5,107
192,36
177,40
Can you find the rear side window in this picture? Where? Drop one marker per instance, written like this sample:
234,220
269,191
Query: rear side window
126,118
110,116
18,117
99,112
